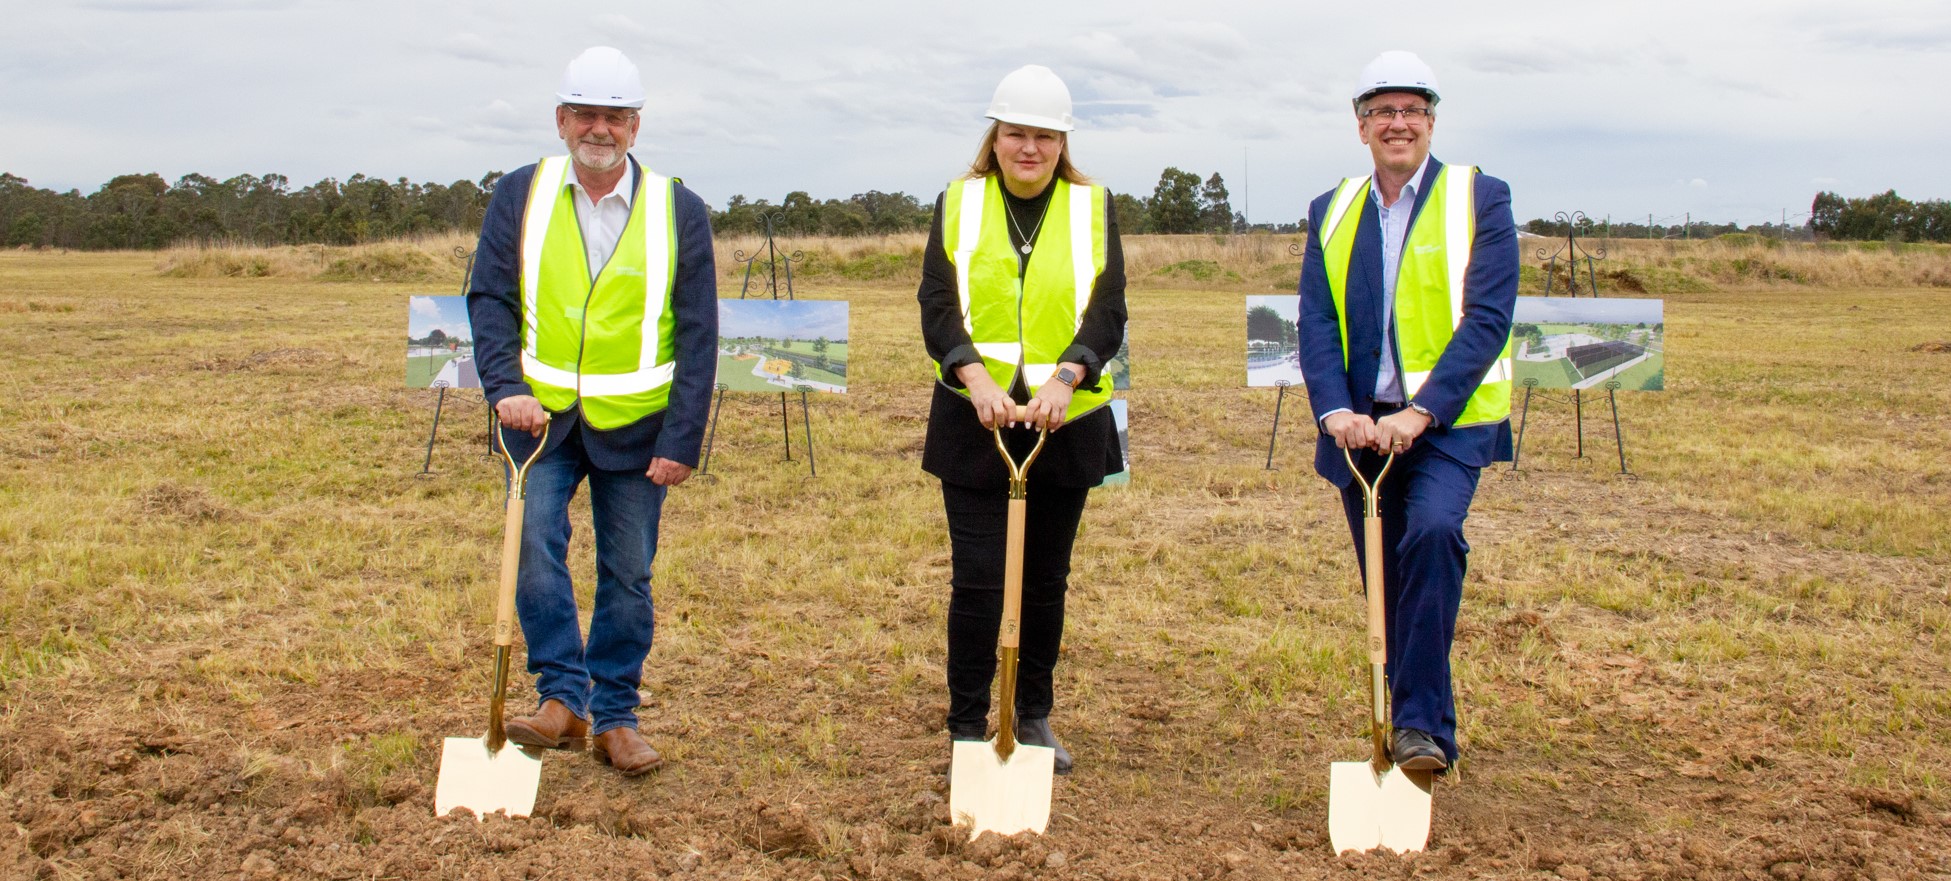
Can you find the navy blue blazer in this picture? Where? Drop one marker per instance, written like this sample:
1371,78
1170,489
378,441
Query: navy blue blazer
1489,297
494,309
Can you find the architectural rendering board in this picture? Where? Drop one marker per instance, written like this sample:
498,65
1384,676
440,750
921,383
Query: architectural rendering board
1273,350
439,344
782,345
1588,342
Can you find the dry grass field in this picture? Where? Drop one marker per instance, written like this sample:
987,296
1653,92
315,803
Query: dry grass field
234,625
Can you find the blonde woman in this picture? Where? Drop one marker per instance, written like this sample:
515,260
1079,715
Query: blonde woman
1022,303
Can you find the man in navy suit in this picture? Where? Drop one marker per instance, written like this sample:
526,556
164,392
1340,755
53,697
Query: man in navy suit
1407,290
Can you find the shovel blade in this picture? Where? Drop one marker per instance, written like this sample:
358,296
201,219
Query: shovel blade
485,781
991,795
1367,810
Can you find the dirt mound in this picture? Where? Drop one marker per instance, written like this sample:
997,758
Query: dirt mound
1935,346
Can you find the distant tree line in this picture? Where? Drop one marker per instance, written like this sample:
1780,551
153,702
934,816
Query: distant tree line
1180,203
869,213
1699,229
1882,217
145,211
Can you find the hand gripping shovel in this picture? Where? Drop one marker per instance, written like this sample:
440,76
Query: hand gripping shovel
1375,804
1001,785
488,774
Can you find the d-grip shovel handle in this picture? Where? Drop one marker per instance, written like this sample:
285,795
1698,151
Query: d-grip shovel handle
1010,635
1378,633
511,533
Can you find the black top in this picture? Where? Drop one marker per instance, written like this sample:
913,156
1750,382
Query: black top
958,449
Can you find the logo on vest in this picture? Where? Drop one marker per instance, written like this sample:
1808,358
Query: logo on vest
626,270
1428,249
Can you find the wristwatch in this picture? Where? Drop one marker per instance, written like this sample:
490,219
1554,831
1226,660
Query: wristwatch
1069,378
1423,410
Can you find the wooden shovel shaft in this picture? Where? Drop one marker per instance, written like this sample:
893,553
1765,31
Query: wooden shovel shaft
1009,638
1378,613
1013,576
1378,641
511,566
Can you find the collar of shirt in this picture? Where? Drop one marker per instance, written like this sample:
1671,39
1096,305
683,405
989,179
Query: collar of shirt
625,188
602,222
1408,189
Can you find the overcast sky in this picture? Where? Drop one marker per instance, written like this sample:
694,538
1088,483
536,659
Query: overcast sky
1733,111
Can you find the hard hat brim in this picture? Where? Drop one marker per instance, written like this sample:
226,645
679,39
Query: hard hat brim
594,101
1428,94
1034,121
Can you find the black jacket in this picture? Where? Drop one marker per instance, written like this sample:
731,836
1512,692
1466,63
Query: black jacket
958,449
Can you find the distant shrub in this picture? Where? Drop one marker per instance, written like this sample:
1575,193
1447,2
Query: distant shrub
1198,270
385,263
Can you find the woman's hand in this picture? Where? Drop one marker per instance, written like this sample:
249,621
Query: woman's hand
992,404
1052,401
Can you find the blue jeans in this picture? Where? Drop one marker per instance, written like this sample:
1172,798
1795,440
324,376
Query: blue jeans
599,681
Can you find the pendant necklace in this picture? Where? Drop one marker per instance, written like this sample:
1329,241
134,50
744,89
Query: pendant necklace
1019,230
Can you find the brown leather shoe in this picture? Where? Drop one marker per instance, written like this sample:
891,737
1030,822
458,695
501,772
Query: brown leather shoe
627,752
552,727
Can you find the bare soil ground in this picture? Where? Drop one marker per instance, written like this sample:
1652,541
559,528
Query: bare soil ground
234,626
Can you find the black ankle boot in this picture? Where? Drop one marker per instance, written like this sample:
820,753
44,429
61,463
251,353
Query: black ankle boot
1036,732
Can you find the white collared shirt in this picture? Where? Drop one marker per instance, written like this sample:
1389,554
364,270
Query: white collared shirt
1395,231
602,221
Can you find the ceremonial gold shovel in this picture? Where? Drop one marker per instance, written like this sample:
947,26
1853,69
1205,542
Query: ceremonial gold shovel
1375,804
488,774
1001,785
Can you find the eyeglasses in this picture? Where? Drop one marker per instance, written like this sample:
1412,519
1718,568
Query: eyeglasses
591,116
1407,114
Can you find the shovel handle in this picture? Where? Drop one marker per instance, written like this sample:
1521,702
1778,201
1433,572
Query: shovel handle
1378,635
511,533
1011,634
511,566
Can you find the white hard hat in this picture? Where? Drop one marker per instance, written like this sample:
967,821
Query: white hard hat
1397,71
1032,95
601,77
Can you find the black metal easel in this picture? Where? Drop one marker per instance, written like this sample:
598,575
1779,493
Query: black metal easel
426,465
1275,434
1578,415
769,260
1570,254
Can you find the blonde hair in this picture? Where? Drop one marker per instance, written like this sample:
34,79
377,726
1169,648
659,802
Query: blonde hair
985,159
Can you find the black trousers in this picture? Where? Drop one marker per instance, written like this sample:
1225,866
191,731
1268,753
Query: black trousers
978,527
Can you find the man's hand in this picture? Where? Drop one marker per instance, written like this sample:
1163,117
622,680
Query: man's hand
665,472
1351,431
1397,432
992,404
522,413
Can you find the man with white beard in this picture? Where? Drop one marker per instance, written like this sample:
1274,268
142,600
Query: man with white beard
595,314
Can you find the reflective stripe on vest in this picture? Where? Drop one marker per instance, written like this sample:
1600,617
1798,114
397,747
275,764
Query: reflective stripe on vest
1025,318
604,344
1429,285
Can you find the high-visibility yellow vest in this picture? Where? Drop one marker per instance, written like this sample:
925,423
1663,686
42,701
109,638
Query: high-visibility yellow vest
605,342
1429,284
1024,321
